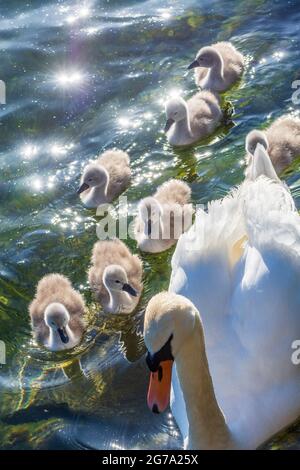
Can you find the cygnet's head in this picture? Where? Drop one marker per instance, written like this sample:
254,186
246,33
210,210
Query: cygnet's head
93,176
150,212
169,323
115,279
207,57
57,318
176,110
253,138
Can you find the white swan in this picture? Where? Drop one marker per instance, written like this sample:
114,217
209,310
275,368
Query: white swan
281,140
188,122
163,217
57,313
105,179
241,270
217,67
116,276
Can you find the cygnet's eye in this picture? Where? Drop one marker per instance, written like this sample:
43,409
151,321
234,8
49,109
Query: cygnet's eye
117,282
90,179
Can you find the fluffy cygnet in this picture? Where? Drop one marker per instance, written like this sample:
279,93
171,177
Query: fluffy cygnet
57,313
188,122
105,178
163,217
116,276
218,67
281,141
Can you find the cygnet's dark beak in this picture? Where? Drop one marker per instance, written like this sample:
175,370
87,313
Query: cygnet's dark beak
193,65
63,335
130,290
169,123
82,188
149,227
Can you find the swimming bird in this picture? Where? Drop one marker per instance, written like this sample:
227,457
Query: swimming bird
57,313
234,383
163,217
115,276
188,122
105,178
217,67
281,140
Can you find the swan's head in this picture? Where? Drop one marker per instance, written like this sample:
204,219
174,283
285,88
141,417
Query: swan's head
57,318
176,110
169,323
115,279
207,57
150,212
93,176
256,137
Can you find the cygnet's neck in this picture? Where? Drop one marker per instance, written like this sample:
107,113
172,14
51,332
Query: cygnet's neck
181,132
98,194
156,228
216,72
207,425
119,301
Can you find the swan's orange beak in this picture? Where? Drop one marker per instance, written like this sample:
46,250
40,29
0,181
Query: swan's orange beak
160,386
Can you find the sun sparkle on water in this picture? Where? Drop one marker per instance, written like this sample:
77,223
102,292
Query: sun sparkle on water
29,151
69,78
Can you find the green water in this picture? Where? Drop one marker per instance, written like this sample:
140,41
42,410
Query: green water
128,56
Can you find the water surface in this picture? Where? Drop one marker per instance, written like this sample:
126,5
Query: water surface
81,78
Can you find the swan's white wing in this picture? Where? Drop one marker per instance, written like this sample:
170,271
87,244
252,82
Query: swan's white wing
268,278
265,309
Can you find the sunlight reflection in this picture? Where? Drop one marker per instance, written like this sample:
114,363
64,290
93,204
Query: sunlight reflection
29,151
71,220
165,14
278,55
175,93
37,184
116,446
71,78
71,19
126,123
80,12
83,12
91,30
58,150
172,93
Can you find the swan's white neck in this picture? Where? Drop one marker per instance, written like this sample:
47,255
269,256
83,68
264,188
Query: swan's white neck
207,425
55,343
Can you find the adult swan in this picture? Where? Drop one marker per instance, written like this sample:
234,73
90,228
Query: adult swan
231,329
